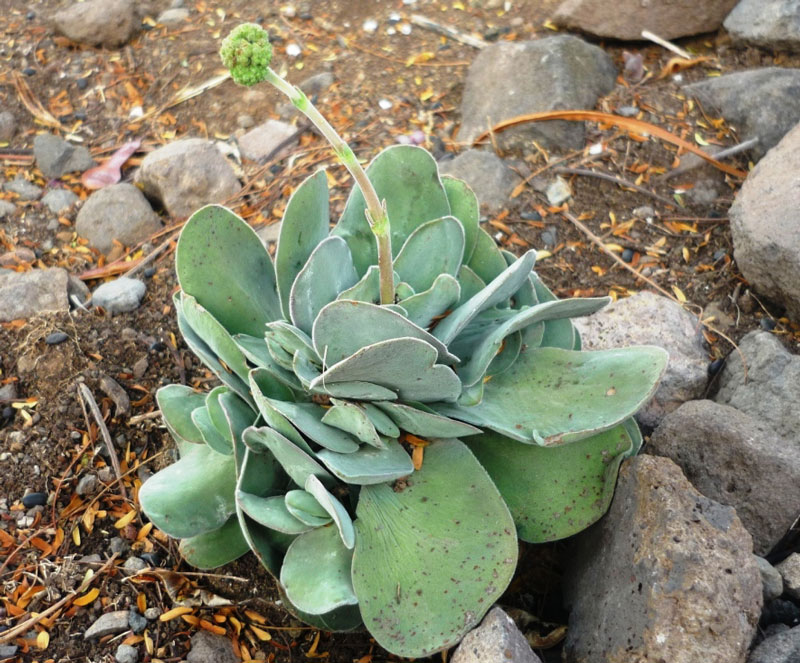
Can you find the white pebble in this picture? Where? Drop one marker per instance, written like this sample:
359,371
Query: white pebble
293,50
405,28
385,104
597,148
370,25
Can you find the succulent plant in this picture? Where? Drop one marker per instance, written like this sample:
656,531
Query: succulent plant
382,439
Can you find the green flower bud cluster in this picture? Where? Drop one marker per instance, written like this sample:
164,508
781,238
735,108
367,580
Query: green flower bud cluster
246,52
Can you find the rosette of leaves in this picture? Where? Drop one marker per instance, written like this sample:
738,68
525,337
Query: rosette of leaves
381,461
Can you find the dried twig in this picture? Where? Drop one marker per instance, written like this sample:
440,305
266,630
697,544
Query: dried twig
86,397
666,44
722,154
448,31
33,105
617,180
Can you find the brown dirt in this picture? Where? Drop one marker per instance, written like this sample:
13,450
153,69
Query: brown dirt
48,446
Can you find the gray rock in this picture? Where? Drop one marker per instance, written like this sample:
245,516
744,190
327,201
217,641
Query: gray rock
137,622
649,319
764,221
56,157
737,460
87,485
173,16
24,189
78,289
7,208
119,296
8,126
8,651
59,200
117,212
97,22
210,648
760,103
108,624
667,575
771,579
269,234
513,78
187,174
771,23
152,613
126,654
669,19
496,639
134,564
558,191
487,175
783,647
24,294
8,392
790,572
118,546
259,143
245,121
772,389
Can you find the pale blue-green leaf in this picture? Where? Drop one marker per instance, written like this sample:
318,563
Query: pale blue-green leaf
295,461
238,415
193,495
344,327
368,288
432,558
316,572
280,356
554,492
425,423
470,283
215,548
212,436
503,360
307,418
223,264
486,348
407,178
306,222
405,365
353,419
271,512
335,510
557,333
552,396
402,290
177,403
305,507
369,465
256,350
471,395
292,339
328,272
526,295
274,418
464,206
435,248
486,260
632,428
217,415
383,424
308,372
497,292
423,307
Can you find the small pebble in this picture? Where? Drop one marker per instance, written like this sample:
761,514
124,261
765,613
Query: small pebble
385,104
531,216
627,255
87,485
149,272
370,25
644,212
152,613
29,71
293,50
716,366
82,83
30,15
55,338
34,499
394,18
627,111
126,654
767,324
136,621
405,29
153,559
719,254
134,564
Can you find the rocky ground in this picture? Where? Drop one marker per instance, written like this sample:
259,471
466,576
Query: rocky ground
702,258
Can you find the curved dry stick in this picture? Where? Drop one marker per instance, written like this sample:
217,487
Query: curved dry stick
631,124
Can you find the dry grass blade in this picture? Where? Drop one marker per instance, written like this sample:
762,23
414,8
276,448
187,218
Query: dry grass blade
585,172
627,123
33,105
188,92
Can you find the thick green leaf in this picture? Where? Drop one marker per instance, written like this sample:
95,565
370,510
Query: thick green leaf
306,223
335,510
307,417
405,365
217,414
369,465
344,327
270,512
274,418
484,349
328,272
316,572
192,496
503,360
292,339
407,178
432,556
436,247
424,423
213,438
382,422
256,350
486,260
423,307
305,507
353,419
470,283
296,463
559,333
552,396
177,403
280,356
308,373
215,548
223,264
497,292
464,206
238,416
554,492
